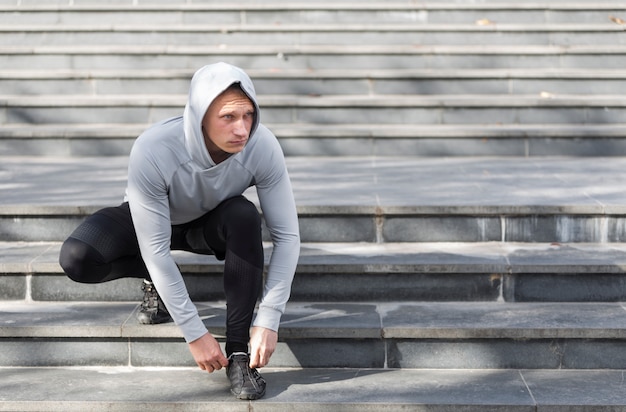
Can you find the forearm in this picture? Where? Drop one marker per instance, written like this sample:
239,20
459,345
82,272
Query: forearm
277,288
174,294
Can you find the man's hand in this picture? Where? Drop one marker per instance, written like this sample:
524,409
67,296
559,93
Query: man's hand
207,353
262,346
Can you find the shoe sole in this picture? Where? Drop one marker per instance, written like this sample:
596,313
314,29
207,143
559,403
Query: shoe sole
146,320
248,396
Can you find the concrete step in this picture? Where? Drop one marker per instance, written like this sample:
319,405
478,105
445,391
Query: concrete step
281,12
348,271
114,139
338,12
315,57
490,45
362,198
329,110
356,334
325,82
482,32
302,390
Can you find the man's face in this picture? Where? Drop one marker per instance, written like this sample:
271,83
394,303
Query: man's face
226,124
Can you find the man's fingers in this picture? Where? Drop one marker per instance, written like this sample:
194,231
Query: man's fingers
265,359
205,367
259,359
262,344
211,367
207,353
214,365
254,359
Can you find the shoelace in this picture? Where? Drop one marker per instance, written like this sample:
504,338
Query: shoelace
243,360
149,296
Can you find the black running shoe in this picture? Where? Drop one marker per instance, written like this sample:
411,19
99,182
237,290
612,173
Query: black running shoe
245,383
152,310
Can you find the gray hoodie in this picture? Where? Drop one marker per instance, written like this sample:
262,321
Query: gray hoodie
173,180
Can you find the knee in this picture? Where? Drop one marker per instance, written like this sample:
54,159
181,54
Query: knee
76,259
242,214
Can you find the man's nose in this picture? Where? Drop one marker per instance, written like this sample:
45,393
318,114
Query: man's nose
241,128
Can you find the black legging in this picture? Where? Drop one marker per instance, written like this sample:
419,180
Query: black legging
104,247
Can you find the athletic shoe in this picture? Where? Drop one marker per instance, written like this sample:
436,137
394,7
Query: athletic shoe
245,383
152,310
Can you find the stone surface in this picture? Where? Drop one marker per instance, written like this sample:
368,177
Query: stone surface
456,185
191,390
424,335
363,199
383,272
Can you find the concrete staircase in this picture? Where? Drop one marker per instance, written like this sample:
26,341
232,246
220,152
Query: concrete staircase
458,169
440,78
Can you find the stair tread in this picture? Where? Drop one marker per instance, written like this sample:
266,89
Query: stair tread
360,257
366,185
333,101
339,131
335,320
322,5
315,27
287,73
189,389
333,49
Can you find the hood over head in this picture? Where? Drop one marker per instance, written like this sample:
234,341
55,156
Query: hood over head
206,84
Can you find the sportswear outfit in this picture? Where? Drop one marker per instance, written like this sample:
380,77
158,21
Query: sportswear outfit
178,198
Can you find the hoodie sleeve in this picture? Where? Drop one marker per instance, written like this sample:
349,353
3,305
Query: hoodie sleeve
279,210
147,197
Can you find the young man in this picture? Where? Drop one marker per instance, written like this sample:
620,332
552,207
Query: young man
186,177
